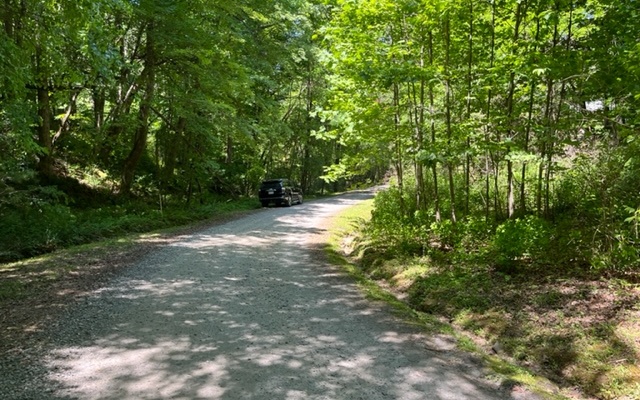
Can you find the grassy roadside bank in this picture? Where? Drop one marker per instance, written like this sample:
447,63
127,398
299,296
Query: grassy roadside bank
43,228
583,334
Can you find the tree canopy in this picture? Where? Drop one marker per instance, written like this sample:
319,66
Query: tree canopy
500,109
509,129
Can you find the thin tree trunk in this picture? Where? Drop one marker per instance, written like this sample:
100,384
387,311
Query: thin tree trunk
419,171
99,103
305,173
532,89
421,184
523,176
7,18
64,122
544,173
398,146
447,83
142,130
488,117
45,140
510,122
467,170
434,163
172,149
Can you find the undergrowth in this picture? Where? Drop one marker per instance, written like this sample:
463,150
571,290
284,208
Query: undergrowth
46,224
559,297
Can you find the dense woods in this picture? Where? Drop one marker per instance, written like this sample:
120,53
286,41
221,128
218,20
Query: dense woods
522,110
481,109
183,94
133,107
509,128
512,131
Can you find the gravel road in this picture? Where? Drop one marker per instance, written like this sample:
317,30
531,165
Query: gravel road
244,310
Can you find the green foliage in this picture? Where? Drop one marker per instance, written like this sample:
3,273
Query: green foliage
446,232
193,97
595,197
33,222
521,240
47,225
390,227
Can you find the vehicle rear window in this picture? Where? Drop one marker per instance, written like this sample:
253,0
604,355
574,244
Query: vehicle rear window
271,185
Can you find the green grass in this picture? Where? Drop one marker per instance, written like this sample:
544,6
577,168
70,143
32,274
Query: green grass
11,290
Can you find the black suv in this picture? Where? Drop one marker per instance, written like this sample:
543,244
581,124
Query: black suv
279,191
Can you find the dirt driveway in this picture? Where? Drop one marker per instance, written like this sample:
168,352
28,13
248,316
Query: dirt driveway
245,310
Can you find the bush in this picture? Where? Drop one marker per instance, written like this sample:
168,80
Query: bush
391,227
46,225
519,240
34,230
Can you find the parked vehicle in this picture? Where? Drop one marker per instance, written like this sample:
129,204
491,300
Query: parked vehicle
280,192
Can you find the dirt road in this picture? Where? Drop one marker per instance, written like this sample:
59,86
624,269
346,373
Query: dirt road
247,310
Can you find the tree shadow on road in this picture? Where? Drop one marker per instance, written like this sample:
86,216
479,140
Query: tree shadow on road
245,312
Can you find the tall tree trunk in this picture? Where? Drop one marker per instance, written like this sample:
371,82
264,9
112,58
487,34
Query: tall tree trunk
447,84
142,129
422,201
305,174
398,146
99,103
13,15
532,82
172,150
487,137
416,116
7,17
467,169
434,163
544,173
418,123
417,164
510,122
45,140
45,163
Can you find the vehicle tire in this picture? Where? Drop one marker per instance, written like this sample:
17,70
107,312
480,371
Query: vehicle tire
265,203
300,199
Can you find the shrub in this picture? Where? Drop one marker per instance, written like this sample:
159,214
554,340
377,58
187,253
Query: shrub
34,230
391,227
521,239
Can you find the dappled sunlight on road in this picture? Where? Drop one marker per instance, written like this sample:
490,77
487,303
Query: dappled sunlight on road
244,311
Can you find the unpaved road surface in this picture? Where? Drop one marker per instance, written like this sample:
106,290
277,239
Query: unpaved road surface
245,310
